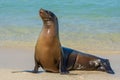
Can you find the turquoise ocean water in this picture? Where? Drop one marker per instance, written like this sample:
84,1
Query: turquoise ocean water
81,22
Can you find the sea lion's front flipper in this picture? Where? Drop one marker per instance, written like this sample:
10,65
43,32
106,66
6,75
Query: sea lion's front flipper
63,64
36,67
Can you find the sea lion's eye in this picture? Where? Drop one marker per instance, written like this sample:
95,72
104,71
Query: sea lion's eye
51,14
47,12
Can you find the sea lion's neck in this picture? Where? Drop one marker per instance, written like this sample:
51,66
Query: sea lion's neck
51,27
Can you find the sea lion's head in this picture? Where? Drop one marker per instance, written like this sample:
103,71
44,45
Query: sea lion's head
47,15
101,65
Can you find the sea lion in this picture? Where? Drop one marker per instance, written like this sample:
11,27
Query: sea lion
53,58
48,51
77,60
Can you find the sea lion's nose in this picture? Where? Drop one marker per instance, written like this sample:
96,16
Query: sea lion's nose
42,10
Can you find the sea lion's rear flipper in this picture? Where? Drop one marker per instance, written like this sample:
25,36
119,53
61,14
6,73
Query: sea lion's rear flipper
63,64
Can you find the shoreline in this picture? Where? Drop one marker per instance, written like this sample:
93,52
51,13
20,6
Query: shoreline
90,50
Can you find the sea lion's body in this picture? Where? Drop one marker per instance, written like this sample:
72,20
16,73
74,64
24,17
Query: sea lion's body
77,60
74,57
52,57
48,51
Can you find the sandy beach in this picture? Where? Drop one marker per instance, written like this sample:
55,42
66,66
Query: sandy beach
17,64
88,26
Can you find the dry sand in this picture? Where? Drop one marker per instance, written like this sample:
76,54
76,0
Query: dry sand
18,60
